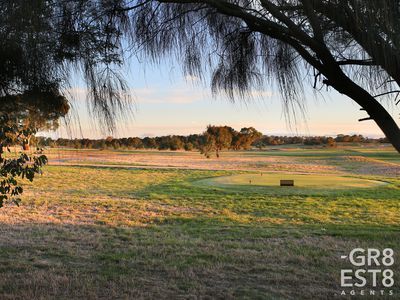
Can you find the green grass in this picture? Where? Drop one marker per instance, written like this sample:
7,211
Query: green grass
97,232
300,181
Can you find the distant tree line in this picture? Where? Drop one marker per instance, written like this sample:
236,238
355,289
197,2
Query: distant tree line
267,140
213,140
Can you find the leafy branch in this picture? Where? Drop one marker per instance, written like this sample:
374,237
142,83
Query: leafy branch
13,132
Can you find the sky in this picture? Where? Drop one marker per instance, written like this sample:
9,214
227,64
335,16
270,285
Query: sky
165,102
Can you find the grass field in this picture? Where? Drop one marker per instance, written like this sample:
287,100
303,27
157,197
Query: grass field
303,181
136,224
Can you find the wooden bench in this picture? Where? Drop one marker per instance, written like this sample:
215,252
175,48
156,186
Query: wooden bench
287,182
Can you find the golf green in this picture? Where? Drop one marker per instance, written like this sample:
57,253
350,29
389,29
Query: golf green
300,180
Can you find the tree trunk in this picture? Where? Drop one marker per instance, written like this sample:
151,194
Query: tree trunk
386,123
375,110
26,143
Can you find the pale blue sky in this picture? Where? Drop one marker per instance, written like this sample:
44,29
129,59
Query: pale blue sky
168,103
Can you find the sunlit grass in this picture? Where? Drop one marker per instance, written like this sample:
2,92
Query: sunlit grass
100,232
300,181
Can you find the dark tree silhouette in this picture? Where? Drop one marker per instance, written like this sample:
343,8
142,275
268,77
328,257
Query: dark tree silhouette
45,43
351,46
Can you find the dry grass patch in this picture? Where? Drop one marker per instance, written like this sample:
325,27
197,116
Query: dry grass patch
113,233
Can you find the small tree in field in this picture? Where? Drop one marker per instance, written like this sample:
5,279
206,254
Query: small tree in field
207,146
217,138
245,138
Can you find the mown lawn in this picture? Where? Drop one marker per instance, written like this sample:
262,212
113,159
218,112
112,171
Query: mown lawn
97,232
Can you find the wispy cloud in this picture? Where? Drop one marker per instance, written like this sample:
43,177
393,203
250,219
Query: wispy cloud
175,95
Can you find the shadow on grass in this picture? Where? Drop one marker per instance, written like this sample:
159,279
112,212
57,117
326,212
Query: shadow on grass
186,258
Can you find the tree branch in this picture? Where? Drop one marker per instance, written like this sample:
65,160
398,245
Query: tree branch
386,93
359,62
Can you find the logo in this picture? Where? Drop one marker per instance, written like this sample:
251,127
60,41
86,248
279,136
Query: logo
370,273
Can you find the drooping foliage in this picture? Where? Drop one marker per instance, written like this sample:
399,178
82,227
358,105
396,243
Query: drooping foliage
46,43
43,46
350,45
239,46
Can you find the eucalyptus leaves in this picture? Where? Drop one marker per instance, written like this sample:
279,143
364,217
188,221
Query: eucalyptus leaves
22,165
